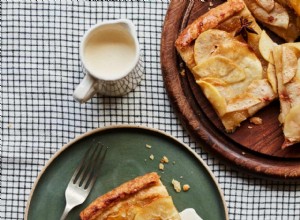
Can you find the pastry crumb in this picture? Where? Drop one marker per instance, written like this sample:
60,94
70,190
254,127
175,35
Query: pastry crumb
9,125
151,157
250,127
148,146
186,187
164,159
256,120
161,166
176,185
182,72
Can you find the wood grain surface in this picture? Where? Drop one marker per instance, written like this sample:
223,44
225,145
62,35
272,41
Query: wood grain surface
256,148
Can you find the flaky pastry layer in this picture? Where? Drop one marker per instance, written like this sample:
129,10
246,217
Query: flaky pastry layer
125,201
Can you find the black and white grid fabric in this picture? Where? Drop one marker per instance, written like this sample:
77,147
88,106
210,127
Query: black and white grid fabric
40,68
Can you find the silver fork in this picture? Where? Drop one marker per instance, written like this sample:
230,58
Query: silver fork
84,177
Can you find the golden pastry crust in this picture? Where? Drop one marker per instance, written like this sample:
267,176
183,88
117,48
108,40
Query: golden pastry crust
127,199
211,20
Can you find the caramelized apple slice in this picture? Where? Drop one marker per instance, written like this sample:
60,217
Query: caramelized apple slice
214,96
220,67
278,17
271,74
266,45
291,128
284,102
294,46
289,64
259,91
208,42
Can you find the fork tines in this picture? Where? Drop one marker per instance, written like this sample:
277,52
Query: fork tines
89,168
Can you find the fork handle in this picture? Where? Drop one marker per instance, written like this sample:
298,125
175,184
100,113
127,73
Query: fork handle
66,212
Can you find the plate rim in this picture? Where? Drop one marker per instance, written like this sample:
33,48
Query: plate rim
121,126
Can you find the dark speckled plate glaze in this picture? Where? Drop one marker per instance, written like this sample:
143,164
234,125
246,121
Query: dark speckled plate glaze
127,158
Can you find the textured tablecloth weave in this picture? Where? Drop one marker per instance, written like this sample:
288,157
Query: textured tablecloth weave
40,69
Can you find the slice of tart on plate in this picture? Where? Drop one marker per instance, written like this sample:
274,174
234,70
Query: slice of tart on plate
221,49
142,198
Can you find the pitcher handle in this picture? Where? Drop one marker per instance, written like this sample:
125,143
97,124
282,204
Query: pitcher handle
86,89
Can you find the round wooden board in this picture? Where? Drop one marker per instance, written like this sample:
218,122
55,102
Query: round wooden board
256,149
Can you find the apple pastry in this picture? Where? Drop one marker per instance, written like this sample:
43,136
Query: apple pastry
287,70
280,16
143,198
221,49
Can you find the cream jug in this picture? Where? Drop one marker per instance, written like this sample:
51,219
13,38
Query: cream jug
111,61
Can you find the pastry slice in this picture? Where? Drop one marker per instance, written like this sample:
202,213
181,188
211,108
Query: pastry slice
221,49
280,16
143,198
287,67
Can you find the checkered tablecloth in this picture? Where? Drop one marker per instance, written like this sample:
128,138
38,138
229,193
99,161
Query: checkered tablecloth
39,70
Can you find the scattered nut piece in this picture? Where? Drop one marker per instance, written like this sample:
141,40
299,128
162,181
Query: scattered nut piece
151,157
161,166
182,72
148,146
176,185
186,187
164,159
256,120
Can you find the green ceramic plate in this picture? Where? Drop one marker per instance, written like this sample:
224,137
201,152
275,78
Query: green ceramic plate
127,158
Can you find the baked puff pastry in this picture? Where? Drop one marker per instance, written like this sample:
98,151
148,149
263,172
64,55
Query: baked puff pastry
287,68
280,16
227,66
143,198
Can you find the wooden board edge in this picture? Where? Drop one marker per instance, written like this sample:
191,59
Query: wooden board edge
245,160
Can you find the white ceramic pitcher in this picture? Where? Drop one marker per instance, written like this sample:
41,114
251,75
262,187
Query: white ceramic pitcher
127,75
